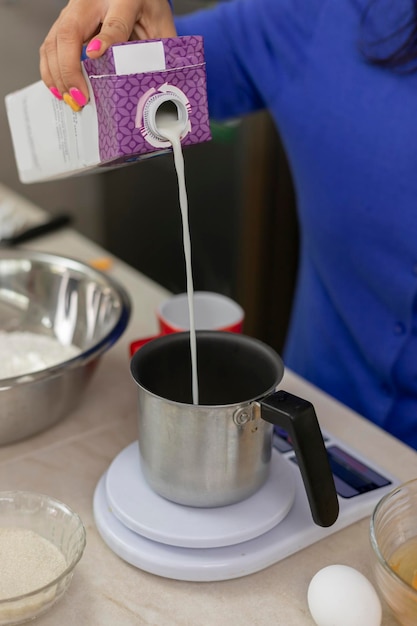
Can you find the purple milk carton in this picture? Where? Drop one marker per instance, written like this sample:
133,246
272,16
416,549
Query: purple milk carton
128,85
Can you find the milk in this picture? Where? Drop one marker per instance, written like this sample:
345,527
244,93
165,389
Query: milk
169,126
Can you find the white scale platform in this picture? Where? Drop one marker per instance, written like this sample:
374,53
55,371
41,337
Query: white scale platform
208,544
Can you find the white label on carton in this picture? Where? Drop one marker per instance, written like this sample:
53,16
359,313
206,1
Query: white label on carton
136,59
49,139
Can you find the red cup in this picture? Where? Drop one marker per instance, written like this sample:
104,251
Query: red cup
212,311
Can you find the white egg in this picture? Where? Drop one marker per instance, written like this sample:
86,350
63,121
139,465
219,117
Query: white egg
339,595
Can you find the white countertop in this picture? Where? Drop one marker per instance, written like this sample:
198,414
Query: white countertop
68,460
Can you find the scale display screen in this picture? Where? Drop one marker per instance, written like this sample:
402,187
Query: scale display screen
351,476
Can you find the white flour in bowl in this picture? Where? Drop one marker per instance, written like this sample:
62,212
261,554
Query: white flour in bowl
25,352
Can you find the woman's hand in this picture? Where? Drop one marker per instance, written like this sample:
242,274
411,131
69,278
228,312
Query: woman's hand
98,23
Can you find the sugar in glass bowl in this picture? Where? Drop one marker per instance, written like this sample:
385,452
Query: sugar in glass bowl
393,534
64,532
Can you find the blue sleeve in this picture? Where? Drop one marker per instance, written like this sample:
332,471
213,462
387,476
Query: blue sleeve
252,47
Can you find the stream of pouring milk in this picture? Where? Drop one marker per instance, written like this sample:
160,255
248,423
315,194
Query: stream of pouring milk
170,127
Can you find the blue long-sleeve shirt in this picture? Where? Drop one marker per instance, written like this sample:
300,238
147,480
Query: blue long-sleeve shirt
350,133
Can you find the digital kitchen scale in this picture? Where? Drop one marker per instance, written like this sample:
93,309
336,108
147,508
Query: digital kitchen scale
220,543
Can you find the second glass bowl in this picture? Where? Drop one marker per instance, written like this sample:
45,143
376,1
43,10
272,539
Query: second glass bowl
393,534
54,521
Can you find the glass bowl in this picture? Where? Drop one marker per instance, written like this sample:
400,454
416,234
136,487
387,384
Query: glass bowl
393,534
51,520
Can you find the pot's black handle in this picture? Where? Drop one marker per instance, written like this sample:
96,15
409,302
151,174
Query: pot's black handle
298,418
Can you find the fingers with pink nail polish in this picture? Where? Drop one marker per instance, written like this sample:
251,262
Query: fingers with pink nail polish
78,96
55,92
94,45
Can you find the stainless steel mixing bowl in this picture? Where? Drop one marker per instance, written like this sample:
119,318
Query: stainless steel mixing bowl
70,301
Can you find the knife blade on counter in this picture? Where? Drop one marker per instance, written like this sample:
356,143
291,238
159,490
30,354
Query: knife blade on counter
50,225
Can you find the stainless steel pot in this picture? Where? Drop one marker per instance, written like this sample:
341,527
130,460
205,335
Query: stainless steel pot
218,452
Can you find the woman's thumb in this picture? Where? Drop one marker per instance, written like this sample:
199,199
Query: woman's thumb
115,29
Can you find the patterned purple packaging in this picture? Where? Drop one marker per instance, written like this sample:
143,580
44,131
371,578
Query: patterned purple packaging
123,99
127,86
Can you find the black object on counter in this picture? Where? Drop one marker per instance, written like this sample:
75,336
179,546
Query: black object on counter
56,222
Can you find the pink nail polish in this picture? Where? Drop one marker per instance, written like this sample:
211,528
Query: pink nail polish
94,45
54,91
78,96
